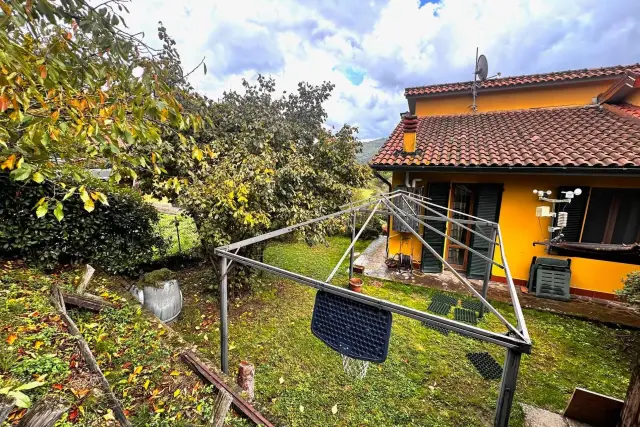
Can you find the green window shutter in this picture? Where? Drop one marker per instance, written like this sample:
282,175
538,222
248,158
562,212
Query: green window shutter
409,207
488,198
576,210
438,192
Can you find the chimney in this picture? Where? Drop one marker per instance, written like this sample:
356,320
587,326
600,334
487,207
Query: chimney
410,125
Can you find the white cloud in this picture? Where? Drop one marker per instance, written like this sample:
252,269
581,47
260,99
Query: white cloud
394,44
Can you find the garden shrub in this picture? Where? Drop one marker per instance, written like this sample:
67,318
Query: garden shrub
372,231
118,237
631,290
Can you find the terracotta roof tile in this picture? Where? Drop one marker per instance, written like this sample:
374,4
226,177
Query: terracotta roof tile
585,73
626,109
547,137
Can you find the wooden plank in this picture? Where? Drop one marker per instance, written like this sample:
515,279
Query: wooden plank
86,301
43,414
90,360
209,375
220,408
88,274
597,410
6,406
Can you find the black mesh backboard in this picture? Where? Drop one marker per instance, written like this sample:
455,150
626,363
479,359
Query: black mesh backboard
352,328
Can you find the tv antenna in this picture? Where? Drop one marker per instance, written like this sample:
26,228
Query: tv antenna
480,74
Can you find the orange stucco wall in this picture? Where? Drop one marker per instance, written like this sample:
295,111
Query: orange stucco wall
520,228
514,99
633,97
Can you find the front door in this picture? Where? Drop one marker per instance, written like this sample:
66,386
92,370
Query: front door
462,201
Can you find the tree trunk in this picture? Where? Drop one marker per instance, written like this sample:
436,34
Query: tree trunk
630,416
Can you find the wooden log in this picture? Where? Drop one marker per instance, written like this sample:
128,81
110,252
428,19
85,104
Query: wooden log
246,372
6,406
86,278
44,413
630,416
118,411
208,374
220,408
86,301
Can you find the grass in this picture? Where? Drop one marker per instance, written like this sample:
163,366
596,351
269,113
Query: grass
137,356
426,379
189,239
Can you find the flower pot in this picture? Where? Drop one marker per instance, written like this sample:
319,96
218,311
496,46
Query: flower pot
355,284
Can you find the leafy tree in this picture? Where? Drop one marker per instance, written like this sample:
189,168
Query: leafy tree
68,94
261,161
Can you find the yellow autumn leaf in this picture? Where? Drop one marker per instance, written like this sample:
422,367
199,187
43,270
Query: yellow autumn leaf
174,373
176,393
137,370
88,205
38,344
55,115
146,384
9,163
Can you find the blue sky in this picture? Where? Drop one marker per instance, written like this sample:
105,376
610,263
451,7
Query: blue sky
371,50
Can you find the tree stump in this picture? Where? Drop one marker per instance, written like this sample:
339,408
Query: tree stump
221,407
630,416
246,372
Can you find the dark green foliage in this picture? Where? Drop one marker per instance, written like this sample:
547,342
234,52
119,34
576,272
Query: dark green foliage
117,237
631,290
372,231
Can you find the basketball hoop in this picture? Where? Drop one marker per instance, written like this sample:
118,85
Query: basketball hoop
355,368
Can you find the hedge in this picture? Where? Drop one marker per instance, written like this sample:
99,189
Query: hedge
118,237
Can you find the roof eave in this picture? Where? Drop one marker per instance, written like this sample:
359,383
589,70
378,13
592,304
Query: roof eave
542,170
509,87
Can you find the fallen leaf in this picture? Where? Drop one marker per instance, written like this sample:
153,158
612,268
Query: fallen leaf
73,414
281,380
11,338
176,393
109,416
334,410
38,344
146,384
57,386
137,370
301,408
174,373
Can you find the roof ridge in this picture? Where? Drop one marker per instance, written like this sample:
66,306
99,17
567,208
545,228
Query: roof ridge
622,69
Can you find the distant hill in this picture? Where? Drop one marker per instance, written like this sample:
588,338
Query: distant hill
370,148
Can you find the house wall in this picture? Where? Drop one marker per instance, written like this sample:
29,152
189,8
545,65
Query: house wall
633,97
520,227
514,99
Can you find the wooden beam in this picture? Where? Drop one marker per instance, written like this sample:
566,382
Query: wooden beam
220,408
210,376
58,301
86,301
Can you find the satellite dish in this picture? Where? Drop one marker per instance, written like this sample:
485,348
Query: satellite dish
482,68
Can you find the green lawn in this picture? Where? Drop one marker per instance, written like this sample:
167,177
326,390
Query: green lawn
189,239
426,380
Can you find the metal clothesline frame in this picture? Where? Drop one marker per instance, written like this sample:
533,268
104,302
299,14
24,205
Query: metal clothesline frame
516,340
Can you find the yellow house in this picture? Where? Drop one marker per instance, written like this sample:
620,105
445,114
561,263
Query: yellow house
557,131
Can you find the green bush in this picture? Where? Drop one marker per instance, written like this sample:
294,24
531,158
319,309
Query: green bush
372,231
117,237
154,277
631,290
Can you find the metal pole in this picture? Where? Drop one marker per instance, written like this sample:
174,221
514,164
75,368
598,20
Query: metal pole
487,273
431,319
507,388
224,321
353,246
177,223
